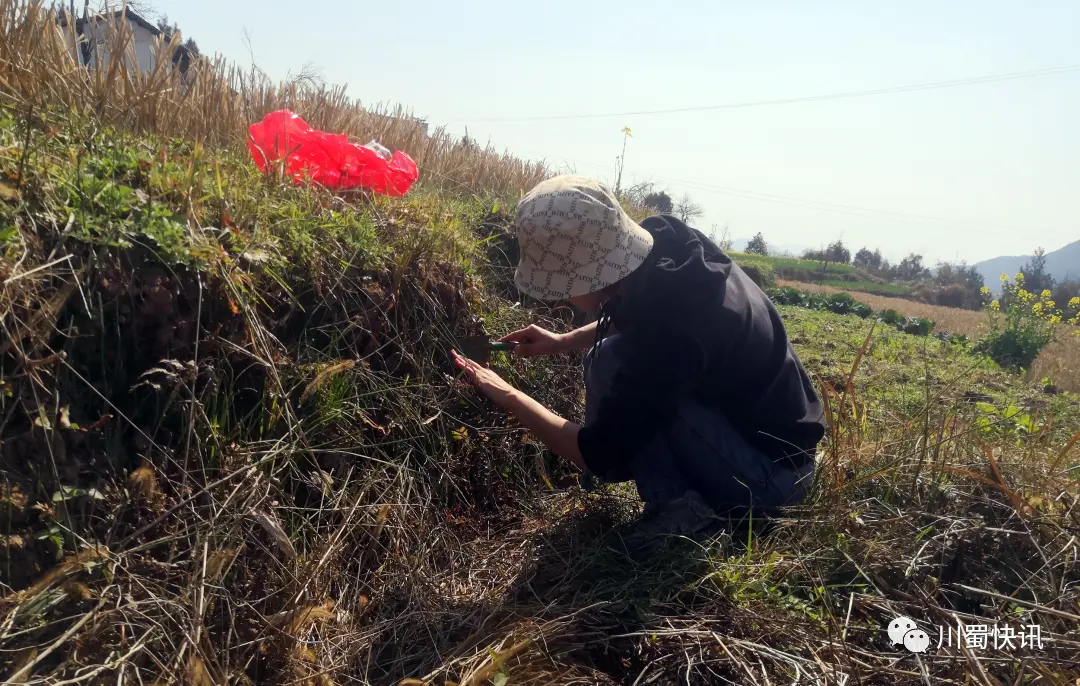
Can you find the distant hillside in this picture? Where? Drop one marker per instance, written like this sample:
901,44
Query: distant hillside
1062,264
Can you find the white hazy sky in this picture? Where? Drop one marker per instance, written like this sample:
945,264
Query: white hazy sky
989,169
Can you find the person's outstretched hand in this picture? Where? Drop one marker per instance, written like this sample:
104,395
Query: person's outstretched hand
533,341
488,382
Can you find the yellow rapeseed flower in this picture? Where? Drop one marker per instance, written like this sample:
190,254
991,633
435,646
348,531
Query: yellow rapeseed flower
1045,294
1019,278
1055,319
1004,278
984,290
1075,302
1037,308
1051,304
995,306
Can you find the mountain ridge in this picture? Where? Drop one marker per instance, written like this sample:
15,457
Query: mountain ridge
1062,264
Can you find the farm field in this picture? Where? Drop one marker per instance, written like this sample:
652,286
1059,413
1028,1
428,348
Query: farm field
951,319
1059,362
888,289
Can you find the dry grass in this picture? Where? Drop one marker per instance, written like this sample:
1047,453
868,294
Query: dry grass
1060,361
216,101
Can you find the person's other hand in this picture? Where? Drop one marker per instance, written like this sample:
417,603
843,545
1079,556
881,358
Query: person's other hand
488,382
533,341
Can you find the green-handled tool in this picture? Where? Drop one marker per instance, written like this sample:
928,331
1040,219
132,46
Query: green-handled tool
478,348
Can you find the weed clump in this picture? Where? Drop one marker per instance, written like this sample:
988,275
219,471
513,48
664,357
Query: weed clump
1022,324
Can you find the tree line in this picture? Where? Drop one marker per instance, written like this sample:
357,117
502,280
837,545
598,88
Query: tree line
951,284
646,194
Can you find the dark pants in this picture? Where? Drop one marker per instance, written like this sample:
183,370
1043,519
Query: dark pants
701,451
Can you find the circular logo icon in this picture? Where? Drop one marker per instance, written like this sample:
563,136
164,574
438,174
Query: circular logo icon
898,627
916,641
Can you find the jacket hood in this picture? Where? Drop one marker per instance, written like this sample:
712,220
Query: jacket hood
683,271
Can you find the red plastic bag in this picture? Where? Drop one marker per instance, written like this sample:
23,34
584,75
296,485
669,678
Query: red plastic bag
328,158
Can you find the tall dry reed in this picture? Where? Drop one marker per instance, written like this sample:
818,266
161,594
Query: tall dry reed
216,101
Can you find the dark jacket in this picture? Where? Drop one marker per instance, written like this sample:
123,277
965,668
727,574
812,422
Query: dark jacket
698,327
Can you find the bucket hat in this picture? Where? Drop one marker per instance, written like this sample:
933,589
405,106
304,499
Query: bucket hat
575,238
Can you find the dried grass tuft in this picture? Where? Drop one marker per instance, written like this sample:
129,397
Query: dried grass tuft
292,622
325,375
143,481
72,565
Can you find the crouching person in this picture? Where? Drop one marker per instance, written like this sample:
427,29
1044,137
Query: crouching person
693,390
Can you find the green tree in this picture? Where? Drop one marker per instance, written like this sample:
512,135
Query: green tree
836,252
869,260
170,29
961,274
757,245
659,201
911,268
959,285
1036,278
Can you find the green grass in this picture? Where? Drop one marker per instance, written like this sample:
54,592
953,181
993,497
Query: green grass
899,372
868,287
824,273
785,266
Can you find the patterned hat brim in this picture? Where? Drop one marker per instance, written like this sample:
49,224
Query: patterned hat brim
538,282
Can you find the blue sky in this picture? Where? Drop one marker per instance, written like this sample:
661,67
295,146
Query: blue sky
960,173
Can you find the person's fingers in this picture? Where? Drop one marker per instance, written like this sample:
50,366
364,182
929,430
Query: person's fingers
475,369
519,336
459,361
465,364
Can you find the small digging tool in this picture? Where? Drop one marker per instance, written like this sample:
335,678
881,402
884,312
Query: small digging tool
478,348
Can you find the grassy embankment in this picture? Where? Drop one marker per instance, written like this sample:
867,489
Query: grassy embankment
869,287
845,276
232,451
785,265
